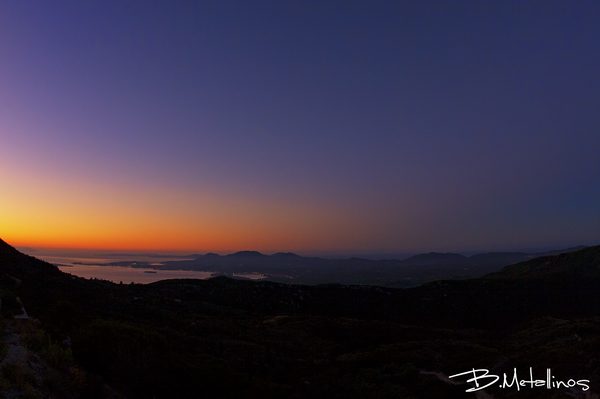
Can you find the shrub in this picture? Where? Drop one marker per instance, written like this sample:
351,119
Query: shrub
30,393
57,356
34,339
64,315
17,375
123,353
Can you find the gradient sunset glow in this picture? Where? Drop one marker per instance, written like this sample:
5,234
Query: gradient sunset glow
342,127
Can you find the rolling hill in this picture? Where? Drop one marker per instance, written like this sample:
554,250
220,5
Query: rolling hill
239,338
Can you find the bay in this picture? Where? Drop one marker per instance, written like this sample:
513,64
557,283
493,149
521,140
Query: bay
127,275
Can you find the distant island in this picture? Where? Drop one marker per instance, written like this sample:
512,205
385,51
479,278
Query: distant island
292,268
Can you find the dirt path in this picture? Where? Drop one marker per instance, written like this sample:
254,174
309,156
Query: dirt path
21,359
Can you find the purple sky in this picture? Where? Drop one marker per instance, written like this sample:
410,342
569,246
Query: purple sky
300,125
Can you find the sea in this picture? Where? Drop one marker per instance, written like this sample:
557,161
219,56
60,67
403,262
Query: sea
69,261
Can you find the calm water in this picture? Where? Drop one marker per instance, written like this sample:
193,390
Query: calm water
64,260
127,275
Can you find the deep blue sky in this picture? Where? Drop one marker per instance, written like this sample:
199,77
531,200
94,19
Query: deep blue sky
300,125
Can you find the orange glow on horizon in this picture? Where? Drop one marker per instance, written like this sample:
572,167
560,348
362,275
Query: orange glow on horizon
111,217
72,212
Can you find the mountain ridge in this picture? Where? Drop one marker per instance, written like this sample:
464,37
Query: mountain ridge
584,262
292,268
240,338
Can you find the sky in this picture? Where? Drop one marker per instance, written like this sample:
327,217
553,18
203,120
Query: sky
305,126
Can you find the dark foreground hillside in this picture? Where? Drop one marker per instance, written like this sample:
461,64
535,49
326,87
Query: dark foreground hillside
231,338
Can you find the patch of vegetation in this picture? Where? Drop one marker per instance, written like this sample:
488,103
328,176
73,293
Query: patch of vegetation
17,376
123,353
31,393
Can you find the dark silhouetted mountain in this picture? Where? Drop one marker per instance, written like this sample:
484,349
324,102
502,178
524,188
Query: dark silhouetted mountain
561,251
119,255
247,254
292,268
240,338
286,255
508,258
434,258
22,266
210,255
583,263
500,258
414,271
6,249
